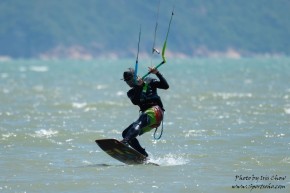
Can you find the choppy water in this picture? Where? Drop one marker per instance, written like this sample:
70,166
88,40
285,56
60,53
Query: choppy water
227,123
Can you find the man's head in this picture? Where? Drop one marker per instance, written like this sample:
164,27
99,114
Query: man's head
128,77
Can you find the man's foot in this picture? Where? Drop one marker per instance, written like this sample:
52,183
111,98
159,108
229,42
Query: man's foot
139,149
143,152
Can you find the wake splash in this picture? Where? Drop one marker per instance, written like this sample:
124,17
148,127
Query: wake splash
169,160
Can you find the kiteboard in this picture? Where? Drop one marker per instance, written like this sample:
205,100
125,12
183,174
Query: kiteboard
121,152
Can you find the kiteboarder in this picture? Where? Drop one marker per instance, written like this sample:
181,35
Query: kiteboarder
143,93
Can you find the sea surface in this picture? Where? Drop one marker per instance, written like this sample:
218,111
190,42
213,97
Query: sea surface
226,126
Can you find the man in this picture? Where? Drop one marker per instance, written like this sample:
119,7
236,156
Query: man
144,94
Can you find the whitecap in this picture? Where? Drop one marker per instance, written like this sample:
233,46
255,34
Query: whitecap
4,75
39,68
120,93
38,88
43,133
227,96
285,160
86,162
8,135
5,91
194,133
79,105
287,110
100,87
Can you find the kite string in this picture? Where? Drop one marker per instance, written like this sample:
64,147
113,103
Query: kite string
155,32
136,64
164,46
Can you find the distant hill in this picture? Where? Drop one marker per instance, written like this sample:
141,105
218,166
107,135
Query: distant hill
92,28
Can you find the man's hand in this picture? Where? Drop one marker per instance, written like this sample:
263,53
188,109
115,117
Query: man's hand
139,81
153,70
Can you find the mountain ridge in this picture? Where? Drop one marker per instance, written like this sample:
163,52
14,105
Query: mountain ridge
94,28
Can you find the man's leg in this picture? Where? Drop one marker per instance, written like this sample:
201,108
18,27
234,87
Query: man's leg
131,132
135,128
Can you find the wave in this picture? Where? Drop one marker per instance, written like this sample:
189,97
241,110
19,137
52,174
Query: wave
43,133
225,95
39,68
287,110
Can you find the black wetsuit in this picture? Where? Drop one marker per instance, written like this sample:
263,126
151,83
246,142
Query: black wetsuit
145,96
148,97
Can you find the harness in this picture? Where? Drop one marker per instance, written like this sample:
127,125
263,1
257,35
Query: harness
144,91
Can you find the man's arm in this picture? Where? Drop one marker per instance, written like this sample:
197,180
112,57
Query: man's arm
162,83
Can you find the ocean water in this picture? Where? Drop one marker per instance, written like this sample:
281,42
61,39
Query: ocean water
226,127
